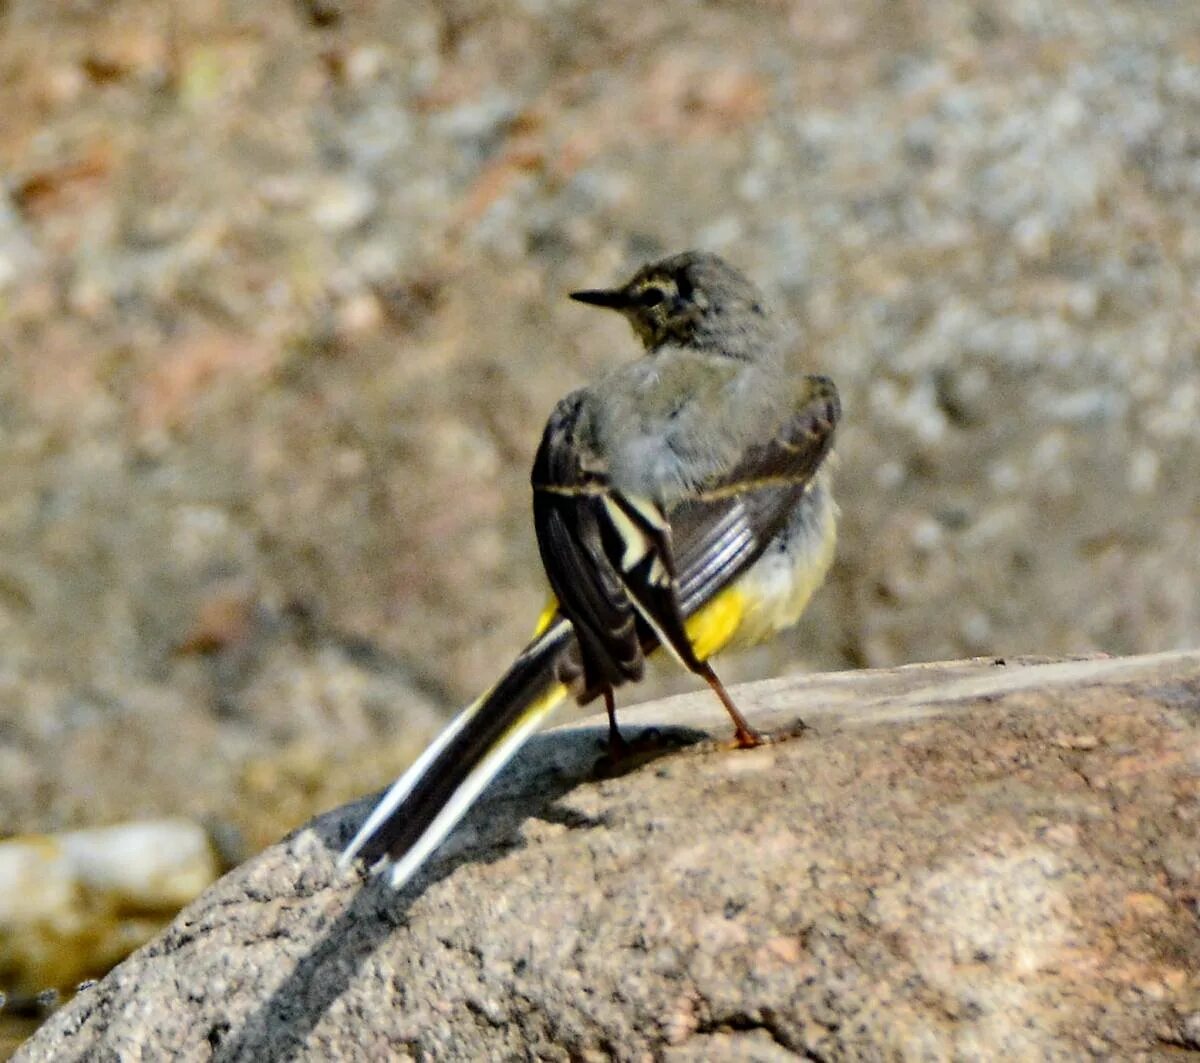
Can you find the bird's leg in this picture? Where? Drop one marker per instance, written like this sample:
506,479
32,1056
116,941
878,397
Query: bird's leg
616,741
747,737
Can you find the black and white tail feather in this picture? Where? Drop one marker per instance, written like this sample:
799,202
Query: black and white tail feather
428,800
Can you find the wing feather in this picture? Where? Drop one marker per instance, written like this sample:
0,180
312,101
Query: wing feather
571,521
725,526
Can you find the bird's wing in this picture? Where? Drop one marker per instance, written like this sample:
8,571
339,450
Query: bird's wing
573,517
725,525
614,559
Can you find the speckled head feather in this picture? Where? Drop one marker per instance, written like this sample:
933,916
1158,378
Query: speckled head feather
693,299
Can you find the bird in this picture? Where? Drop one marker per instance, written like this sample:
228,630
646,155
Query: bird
682,501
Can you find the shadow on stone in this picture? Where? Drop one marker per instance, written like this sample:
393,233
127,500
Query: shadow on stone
549,767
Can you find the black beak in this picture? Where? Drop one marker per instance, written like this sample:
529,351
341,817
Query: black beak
612,298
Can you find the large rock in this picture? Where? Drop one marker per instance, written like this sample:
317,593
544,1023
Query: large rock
955,860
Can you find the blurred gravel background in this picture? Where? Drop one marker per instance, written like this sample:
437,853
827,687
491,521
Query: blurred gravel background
282,313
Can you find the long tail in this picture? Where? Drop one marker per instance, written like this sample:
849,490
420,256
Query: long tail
428,800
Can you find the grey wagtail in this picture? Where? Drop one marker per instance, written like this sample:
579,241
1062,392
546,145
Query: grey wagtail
683,501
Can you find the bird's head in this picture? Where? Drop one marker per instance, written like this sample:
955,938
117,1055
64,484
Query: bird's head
691,299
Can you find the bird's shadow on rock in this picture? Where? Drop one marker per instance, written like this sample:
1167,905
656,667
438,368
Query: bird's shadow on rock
550,766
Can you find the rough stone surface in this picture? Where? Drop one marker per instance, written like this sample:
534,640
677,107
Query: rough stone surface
970,860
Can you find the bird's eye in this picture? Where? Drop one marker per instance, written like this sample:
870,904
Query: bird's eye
650,296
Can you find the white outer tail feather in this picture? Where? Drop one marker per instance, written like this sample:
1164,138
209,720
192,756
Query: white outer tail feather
526,720
457,807
403,786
